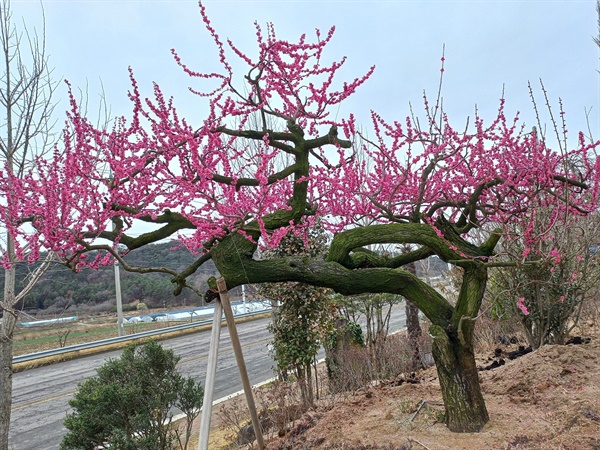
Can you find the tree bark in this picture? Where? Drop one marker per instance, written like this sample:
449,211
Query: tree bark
6,354
414,333
454,357
455,361
413,327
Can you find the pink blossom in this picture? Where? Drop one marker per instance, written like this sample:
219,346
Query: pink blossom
522,306
424,170
555,255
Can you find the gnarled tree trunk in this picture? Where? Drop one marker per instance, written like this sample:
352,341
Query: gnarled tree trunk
454,356
459,380
413,327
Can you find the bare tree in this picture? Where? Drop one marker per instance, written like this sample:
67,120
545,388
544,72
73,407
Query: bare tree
597,37
26,90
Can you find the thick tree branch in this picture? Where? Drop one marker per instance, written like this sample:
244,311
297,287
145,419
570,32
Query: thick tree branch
194,266
571,181
281,175
174,223
238,268
260,135
468,217
405,233
363,258
329,138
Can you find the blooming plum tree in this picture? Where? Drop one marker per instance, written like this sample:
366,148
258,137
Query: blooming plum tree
270,158
559,279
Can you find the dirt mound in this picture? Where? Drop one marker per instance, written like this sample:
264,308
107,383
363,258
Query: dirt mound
559,366
547,399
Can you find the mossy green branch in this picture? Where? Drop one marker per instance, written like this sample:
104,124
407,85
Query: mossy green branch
362,258
397,233
238,267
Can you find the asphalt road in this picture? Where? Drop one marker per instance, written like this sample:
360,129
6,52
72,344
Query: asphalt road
40,396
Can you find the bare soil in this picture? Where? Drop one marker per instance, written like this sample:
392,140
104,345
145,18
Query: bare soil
547,399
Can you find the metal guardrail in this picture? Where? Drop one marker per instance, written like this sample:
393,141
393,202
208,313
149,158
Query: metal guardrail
78,347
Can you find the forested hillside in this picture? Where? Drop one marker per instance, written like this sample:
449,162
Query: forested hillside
63,291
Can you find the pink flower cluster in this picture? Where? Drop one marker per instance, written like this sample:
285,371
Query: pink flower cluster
522,307
243,162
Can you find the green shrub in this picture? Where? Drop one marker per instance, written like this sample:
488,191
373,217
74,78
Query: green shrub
129,403
141,306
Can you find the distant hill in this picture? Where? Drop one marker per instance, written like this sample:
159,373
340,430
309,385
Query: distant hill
60,290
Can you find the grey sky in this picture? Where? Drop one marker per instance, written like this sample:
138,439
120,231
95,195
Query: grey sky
488,44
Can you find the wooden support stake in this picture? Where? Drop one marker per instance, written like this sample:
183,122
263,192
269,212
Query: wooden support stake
211,370
237,349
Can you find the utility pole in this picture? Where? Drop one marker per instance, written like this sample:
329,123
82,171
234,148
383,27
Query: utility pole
118,284
119,300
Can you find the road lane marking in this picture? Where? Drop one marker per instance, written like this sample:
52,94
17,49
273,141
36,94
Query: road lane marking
224,351
39,402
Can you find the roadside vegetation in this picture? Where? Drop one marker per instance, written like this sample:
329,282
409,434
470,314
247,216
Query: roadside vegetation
129,403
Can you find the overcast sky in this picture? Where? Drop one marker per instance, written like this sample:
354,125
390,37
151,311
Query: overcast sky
489,44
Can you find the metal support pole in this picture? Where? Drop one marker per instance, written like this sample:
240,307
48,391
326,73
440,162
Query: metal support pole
244,306
211,371
237,349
